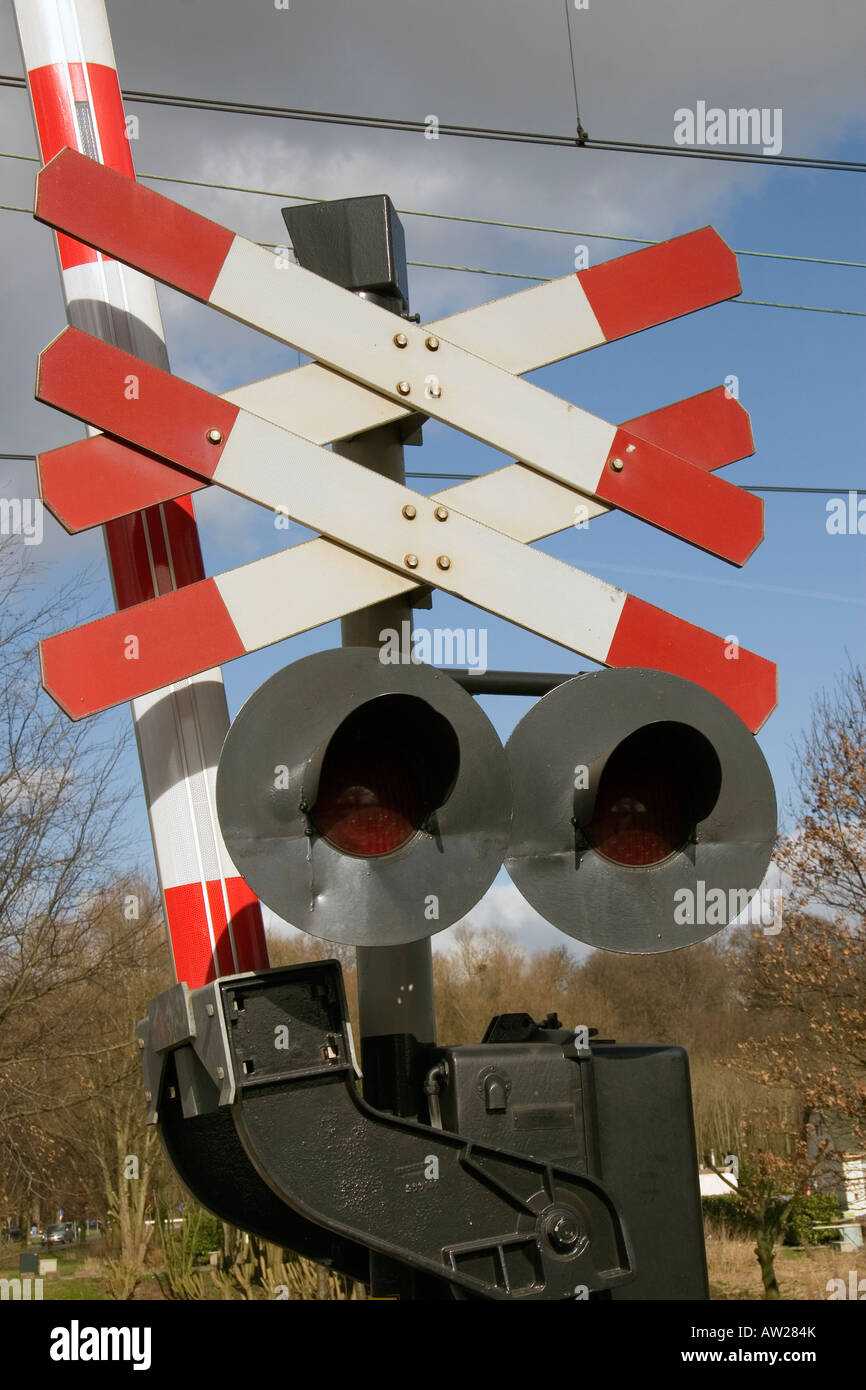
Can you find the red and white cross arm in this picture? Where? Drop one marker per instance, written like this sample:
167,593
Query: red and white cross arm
357,337
214,922
86,483
90,668
521,332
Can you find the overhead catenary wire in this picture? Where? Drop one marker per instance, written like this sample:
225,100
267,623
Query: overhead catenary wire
470,477
545,279
762,303
522,137
582,135
462,217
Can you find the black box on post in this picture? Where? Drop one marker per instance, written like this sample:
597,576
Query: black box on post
620,1114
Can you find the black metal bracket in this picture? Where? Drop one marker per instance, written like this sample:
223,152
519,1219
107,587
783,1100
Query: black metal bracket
492,1223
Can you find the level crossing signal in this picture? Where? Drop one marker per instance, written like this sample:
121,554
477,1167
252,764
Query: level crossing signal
373,804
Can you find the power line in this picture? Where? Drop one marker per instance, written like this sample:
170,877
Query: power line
761,303
582,136
478,270
458,217
520,137
545,279
808,308
470,477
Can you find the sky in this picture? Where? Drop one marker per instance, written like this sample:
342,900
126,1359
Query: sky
801,599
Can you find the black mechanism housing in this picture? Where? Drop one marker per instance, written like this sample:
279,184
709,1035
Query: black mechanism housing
622,1114
555,1167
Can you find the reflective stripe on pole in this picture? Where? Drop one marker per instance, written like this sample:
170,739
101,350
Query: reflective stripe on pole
214,921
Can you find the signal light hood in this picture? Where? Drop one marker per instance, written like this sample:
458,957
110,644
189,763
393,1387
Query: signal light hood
689,808
348,846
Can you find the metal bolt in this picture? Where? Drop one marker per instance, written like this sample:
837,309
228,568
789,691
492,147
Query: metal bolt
221,1073
329,1053
410,561
400,340
564,1233
409,512
148,1095
444,562
434,390
141,1042
441,513
214,436
209,1010
432,343
616,465
404,388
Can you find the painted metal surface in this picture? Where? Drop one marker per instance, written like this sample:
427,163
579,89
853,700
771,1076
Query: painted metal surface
86,483
214,921
355,336
391,899
618,906
366,513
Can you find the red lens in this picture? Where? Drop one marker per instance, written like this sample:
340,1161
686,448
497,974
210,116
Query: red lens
389,765
654,788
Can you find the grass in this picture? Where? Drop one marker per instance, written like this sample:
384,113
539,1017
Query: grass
57,1290
802,1274
733,1269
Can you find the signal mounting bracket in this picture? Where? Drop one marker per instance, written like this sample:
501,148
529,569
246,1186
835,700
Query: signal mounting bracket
487,1221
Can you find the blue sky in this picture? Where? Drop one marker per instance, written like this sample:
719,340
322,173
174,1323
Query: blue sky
801,599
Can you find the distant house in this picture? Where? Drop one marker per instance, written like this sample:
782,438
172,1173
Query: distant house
843,1167
711,1184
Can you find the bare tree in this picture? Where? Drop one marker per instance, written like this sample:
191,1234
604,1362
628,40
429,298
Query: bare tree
826,855
62,841
808,983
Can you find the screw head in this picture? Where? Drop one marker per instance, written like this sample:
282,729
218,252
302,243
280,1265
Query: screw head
220,1071
409,512
410,561
209,1010
400,340
441,513
443,561
616,465
565,1232
214,436
404,388
431,343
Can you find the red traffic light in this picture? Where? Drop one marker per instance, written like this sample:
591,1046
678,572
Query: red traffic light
638,797
654,788
390,764
364,802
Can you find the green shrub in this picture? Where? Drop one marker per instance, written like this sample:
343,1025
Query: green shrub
206,1235
725,1212
819,1209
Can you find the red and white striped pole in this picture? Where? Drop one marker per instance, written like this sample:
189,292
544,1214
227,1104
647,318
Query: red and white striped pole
214,921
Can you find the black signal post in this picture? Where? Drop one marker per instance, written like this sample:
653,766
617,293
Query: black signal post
358,243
